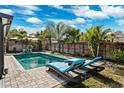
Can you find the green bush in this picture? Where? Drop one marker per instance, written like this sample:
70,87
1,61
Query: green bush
29,47
118,55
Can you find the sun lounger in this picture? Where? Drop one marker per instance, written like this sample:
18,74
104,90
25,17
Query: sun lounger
62,68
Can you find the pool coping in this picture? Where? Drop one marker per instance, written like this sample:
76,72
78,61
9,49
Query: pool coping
18,64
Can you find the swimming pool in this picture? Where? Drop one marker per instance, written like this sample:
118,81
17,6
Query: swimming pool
34,60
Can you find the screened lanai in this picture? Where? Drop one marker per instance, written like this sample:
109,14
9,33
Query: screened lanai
5,23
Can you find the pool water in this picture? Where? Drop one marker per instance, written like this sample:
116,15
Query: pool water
34,60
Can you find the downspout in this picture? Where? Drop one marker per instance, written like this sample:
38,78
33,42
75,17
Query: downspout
1,50
2,40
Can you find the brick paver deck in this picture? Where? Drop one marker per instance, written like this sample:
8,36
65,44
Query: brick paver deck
34,78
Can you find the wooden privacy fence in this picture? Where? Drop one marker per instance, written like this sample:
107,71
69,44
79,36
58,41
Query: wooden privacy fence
82,48
16,46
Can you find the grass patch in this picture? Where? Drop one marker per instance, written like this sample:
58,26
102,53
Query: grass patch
93,83
120,71
108,78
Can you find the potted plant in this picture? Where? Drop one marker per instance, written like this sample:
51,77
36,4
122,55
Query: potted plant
29,48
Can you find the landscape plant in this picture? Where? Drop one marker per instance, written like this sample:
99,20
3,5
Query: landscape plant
96,36
118,55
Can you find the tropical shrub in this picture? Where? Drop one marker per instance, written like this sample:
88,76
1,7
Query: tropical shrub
29,47
95,36
58,31
72,36
118,55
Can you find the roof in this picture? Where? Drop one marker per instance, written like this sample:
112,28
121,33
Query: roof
120,35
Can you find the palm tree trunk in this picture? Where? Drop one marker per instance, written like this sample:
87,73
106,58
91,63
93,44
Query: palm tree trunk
50,41
22,44
98,47
92,51
59,46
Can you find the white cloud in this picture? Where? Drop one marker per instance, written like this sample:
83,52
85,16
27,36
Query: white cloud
89,25
114,11
80,20
85,11
105,12
120,22
61,8
27,10
60,20
58,6
72,22
29,29
73,26
43,28
34,20
6,11
29,7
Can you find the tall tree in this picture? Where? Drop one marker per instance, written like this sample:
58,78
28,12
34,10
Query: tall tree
58,31
20,34
95,36
41,37
73,35
113,35
12,33
48,37
82,37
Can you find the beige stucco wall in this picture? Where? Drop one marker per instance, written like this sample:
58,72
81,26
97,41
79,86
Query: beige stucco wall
119,39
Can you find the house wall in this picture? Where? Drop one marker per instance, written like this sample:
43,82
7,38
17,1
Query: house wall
120,39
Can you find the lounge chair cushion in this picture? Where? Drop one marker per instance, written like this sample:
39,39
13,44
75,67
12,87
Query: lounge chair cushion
75,60
92,61
60,66
65,67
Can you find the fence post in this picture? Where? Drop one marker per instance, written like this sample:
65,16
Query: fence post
62,46
83,47
54,47
74,48
68,48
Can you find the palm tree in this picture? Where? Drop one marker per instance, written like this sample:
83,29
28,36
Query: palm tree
41,37
22,36
113,36
82,37
73,35
90,39
95,36
12,33
47,35
58,31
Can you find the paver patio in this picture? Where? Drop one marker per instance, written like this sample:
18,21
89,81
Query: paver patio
34,78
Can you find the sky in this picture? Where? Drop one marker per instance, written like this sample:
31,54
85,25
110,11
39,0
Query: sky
35,18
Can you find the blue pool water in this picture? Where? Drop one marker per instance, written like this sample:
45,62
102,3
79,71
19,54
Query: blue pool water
34,60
